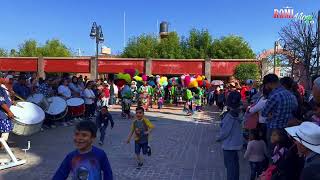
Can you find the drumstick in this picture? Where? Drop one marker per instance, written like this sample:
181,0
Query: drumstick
17,96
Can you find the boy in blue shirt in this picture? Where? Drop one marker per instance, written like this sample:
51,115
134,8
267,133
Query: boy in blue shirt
87,162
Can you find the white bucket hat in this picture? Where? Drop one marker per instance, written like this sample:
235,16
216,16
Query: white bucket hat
308,134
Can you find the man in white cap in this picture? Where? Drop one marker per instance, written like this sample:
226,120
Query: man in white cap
307,139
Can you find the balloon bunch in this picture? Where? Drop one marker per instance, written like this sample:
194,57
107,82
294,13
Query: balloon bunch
163,81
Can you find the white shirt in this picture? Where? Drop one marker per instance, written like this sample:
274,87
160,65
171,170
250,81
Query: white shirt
258,108
6,89
64,90
88,94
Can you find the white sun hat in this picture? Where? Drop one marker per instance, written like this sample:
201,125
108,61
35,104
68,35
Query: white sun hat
308,134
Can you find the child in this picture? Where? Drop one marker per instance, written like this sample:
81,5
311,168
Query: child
255,153
87,162
280,168
105,95
142,128
231,136
102,122
160,102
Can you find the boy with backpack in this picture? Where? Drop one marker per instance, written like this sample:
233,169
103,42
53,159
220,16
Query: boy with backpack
87,161
142,128
102,122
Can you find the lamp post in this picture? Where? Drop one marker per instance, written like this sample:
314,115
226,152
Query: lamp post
96,33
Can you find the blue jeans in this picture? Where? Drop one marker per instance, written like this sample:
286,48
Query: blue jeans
102,132
256,169
231,162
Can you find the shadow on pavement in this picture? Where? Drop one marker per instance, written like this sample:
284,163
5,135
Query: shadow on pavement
181,150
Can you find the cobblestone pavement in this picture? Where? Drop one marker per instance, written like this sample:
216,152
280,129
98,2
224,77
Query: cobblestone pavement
183,149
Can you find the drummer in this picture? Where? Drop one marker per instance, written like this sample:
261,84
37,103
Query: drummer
6,124
21,89
75,87
64,90
44,87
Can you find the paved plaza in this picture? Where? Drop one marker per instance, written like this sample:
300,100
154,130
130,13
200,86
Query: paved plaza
184,148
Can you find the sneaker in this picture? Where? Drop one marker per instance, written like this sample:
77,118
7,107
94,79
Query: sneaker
70,123
65,124
149,151
140,164
100,143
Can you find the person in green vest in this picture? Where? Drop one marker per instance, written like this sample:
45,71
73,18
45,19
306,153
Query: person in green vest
198,99
189,98
151,90
172,94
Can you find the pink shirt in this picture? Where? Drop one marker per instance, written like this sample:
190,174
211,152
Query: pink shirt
256,151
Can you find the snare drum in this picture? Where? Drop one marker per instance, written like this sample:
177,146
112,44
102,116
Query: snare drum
57,108
28,118
40,100
76,107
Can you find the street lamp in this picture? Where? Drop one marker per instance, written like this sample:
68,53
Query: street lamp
96,33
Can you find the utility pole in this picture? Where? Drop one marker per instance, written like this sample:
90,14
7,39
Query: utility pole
318,41
274,56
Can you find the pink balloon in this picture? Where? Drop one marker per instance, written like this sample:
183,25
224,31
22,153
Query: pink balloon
144,78
187,80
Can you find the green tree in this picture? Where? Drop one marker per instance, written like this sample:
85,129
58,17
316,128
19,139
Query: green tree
52,48
169,47
198,45
29,49
143,46
231,47
3,52
55,48
246,71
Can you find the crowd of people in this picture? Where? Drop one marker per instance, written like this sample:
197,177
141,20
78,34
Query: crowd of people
278,125
276,122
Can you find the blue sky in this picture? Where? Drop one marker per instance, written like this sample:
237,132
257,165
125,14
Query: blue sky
71,20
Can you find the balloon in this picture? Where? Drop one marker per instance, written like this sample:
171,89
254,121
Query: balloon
144,77
163,81
137,78
200,83
199,78
125,77
151,83
136,73
119,82
203,77
206,84
131,72
187,81
193,84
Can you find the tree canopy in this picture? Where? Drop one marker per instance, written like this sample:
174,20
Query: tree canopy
31,48
246,71
169,48
3,52
231,47
141,46
199,44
